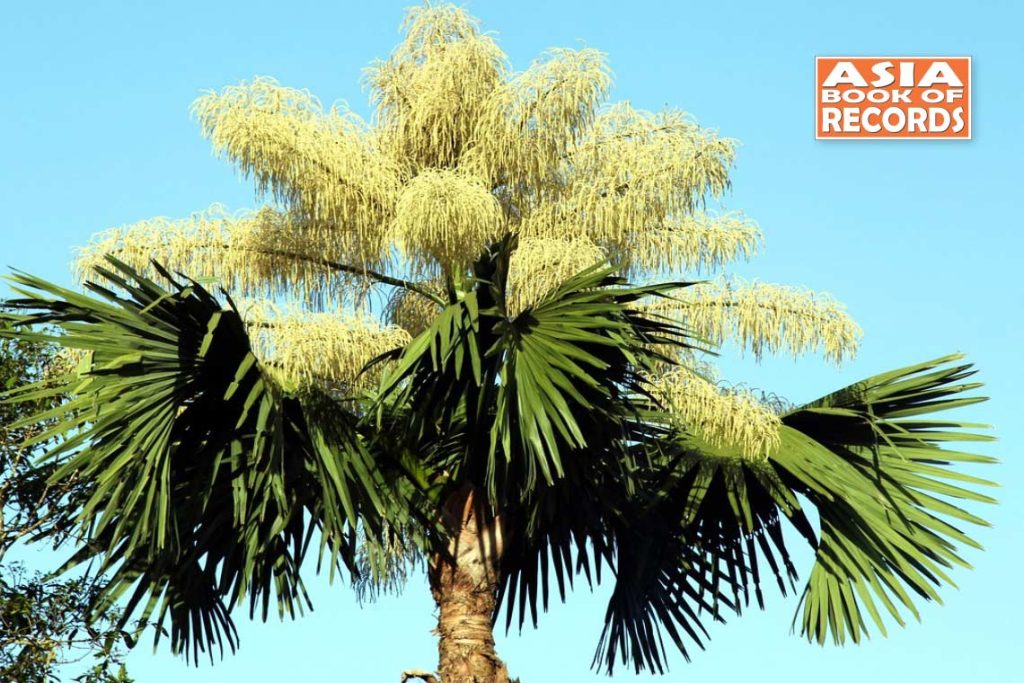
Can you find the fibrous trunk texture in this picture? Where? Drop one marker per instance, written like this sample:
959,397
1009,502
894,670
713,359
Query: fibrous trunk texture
464,585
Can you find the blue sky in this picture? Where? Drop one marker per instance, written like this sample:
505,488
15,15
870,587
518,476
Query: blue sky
920,239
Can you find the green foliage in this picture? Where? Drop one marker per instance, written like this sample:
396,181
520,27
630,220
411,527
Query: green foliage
565,375
45,629
872,463
209,478
44,632
24,494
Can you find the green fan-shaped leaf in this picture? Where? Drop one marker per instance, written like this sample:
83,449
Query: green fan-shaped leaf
206,478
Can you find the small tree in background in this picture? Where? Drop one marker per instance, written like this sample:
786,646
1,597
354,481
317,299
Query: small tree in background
434,353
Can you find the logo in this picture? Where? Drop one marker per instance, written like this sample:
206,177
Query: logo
909,98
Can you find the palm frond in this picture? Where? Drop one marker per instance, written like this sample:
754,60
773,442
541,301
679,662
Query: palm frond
533,386
869,458
703,530
873,462
207,479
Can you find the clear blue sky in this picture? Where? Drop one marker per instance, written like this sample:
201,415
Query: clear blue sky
921,240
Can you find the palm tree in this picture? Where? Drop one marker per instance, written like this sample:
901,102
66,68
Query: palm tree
523,415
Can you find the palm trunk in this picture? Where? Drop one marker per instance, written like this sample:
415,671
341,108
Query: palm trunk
464,585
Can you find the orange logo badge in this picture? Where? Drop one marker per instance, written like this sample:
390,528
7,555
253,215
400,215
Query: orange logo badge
893,97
